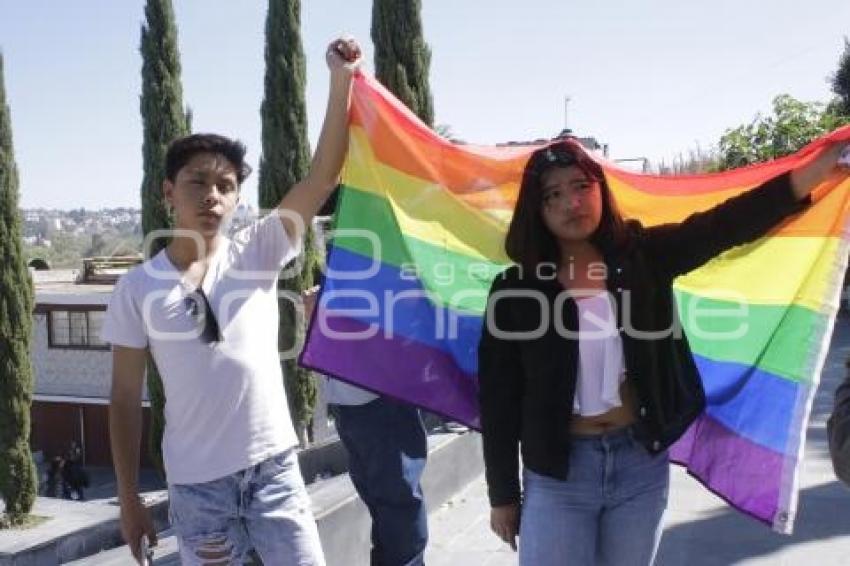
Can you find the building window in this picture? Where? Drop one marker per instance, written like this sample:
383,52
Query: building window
76,329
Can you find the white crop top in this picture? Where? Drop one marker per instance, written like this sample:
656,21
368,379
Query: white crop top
601,369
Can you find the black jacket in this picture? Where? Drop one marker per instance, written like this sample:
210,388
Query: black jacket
527,387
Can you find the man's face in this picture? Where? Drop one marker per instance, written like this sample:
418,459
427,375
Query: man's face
204,193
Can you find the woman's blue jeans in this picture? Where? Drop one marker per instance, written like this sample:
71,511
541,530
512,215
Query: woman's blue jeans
609,510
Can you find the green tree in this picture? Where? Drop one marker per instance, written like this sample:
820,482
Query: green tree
841,83
285,161
696,161
402,58
18,483
164,119
791,126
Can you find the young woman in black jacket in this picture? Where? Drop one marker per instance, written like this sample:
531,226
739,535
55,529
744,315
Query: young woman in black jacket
581,368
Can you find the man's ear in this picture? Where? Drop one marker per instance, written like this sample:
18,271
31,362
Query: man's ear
168,192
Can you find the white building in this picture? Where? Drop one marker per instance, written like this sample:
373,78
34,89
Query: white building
72,366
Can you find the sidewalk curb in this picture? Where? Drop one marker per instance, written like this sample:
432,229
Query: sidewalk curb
101,531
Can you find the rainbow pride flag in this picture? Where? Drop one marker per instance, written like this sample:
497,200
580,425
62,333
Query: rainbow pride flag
419,237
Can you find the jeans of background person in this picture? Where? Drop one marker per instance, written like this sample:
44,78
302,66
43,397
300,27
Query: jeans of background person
264,507
74,480
387,448
609,511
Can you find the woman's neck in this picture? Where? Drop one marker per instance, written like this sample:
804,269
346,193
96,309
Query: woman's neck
582,267
581,252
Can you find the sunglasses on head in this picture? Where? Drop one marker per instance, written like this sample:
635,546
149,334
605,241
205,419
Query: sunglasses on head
559,156
553,156
198,307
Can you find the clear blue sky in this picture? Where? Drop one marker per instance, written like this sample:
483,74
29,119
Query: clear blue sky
650,77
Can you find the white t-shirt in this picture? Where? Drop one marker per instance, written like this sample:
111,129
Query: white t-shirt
225,408
601,368
341,393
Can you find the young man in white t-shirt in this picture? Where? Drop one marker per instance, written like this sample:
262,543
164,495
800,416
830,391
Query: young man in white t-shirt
206,309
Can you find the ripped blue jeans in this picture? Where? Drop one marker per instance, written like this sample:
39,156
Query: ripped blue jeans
265,507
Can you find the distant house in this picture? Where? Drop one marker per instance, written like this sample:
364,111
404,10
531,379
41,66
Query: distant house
72,366
588,142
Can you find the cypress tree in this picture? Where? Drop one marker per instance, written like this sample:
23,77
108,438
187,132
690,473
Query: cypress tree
841,82
285,161
18,484
402,58
164,119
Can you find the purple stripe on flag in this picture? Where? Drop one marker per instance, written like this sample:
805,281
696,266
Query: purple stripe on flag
394,366
745,474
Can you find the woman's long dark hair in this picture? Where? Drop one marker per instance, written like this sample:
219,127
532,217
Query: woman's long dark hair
529,242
